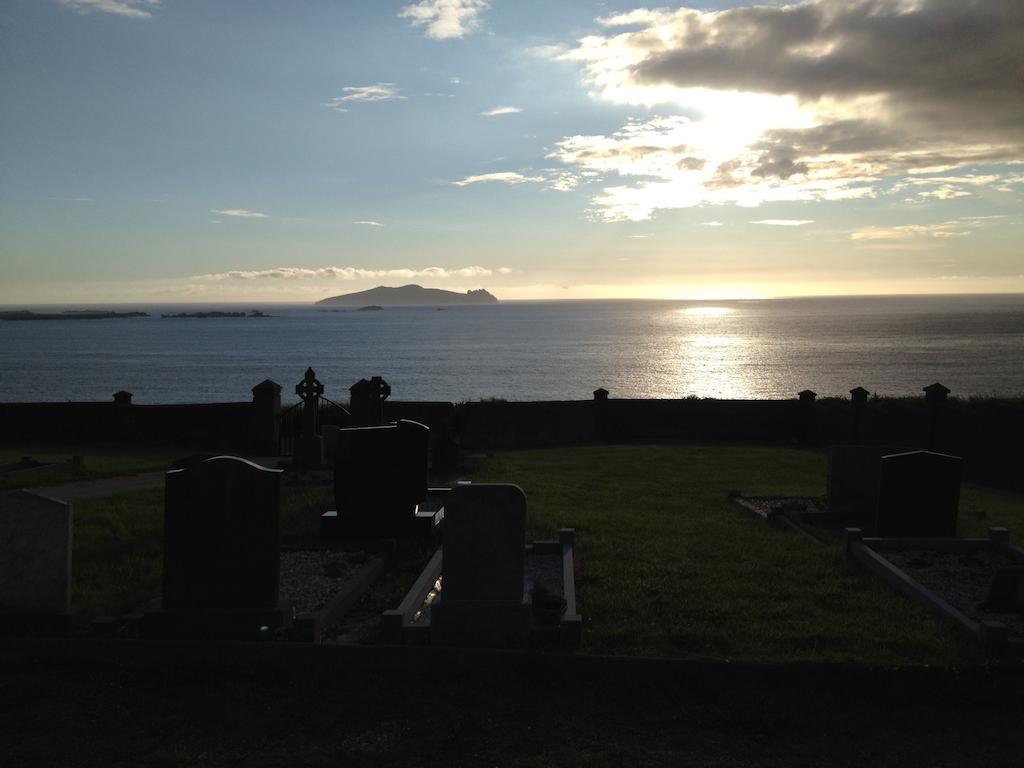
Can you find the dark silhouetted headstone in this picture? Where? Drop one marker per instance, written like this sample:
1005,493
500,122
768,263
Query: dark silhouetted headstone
380,476
918,495
221,548
853,481
366,400
35,554
858,397
329,433
934,395
266,399
482,599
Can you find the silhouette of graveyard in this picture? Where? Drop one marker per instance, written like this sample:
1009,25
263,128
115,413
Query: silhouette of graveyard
485,584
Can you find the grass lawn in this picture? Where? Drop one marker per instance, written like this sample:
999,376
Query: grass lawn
665,566
99,460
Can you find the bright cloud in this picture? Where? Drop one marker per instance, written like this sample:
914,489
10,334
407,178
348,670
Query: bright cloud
445,19
819,100
239,213
363,93
501,111
135,9
349,273
503,177
368,223
947,229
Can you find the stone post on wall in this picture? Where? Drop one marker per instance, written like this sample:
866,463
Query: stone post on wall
805,415
122,414
934,395
366,401
266,404
858,398
601,413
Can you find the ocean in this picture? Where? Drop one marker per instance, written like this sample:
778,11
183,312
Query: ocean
892,345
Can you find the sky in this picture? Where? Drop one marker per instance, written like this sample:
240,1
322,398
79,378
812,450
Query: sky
258,151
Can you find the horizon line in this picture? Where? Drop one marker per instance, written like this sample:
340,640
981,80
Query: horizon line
702,300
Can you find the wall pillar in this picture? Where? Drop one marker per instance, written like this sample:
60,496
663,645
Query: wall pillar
266,401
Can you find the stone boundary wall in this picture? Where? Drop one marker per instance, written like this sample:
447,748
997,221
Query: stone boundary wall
988,433
209,425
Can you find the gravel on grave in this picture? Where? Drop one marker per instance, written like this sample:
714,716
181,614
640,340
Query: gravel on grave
309,578
962,579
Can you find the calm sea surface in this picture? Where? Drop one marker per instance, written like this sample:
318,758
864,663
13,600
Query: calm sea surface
533,350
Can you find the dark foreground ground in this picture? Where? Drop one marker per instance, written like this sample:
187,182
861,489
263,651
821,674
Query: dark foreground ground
127,704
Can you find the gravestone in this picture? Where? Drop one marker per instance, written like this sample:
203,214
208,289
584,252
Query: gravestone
482,599
918,495
853,481
366,400
221,548
329,433
309,448
380,476
35,563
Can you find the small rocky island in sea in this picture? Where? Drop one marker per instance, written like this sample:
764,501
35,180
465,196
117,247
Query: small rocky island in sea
407,296
204,315
71,314
370,308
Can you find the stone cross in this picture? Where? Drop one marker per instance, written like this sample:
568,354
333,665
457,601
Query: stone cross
309,390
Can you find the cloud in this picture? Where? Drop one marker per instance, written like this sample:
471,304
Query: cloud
445,19
678,162
501,111
712,224
960,227
369,223
349,273
784,222
363,93
240,213
823,99
503,177
134,9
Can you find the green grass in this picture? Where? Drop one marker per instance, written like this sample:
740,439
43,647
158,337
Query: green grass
117,552
667,567
98,461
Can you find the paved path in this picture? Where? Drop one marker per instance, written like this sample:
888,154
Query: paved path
115,486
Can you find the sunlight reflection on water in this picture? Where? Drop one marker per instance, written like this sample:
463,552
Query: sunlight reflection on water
711,355
534,351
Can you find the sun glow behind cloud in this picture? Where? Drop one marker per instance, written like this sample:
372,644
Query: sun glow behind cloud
818,100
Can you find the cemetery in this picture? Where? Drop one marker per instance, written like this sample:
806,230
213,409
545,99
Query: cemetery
374,546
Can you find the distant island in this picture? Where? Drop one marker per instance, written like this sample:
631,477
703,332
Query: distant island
75,314
407,296
204,315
